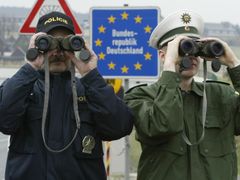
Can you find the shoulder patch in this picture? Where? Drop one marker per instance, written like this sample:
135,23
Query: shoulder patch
220,82
130,89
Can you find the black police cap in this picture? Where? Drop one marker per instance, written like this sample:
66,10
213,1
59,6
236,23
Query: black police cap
53,20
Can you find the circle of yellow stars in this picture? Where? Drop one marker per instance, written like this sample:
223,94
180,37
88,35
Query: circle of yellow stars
102,29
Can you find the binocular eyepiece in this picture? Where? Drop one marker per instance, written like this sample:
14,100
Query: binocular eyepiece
209,49
45,43
190,47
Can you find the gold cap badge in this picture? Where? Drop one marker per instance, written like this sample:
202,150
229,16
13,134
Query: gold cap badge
186,18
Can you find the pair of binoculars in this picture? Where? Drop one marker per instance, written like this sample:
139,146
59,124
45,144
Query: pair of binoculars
209,49
70,43
190,47
44,43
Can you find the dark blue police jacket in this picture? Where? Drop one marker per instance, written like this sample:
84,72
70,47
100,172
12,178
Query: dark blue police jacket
103,116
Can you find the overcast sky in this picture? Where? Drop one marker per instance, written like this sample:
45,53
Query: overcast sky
211,10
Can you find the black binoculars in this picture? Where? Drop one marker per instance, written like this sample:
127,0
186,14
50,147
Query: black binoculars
209,49
190,47
70,43
45,43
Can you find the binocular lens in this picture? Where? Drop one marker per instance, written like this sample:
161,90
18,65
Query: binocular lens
43,44
216,48
76,43
187,47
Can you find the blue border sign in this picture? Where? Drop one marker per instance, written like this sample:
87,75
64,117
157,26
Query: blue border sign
120,38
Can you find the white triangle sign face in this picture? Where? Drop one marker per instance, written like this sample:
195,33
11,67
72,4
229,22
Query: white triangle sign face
43,7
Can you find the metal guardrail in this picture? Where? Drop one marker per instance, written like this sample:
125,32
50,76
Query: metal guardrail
132,176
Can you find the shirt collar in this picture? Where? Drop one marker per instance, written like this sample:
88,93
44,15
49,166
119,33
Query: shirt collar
197,88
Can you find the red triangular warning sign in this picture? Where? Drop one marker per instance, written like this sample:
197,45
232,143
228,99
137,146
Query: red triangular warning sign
45,6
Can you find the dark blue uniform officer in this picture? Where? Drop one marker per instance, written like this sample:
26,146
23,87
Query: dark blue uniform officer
103,116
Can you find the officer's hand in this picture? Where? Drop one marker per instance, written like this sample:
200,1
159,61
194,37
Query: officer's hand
228,58
83,67
172,55
37,63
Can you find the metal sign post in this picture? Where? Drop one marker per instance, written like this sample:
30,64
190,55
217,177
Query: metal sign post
127,144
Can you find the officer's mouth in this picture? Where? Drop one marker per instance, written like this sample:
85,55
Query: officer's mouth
57,61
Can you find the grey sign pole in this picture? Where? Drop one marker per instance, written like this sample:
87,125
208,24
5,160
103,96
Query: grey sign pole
127,144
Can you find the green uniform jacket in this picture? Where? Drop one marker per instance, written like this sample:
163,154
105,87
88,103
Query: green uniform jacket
162,111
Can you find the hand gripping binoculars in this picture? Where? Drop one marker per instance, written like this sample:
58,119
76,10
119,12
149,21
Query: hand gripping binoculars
44,43
207,49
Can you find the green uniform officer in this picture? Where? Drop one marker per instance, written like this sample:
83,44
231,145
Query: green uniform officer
186,128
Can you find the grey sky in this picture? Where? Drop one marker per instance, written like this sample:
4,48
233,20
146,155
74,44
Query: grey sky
211,10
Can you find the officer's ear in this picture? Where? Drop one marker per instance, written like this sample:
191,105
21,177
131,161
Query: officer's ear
162,53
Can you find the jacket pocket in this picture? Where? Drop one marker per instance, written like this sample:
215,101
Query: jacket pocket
219,158
156,160
217,147
216,117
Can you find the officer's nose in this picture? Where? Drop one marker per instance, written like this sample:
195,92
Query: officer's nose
58,52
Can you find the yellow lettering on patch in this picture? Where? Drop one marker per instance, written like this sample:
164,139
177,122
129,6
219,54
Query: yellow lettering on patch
55,19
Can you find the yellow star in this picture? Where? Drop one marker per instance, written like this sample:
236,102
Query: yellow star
124,15
98,42
111,65
124,69
111,19
101,29
147,56
147,29
101,56
138,66
138,19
